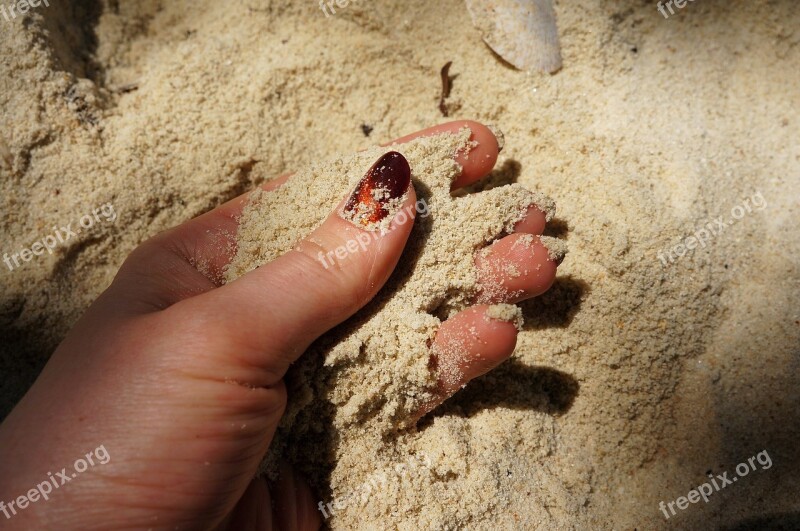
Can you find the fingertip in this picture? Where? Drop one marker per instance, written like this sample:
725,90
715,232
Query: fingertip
515,268
533,222
480,160
470,344
355,258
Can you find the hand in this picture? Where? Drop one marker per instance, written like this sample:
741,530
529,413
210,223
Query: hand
179,379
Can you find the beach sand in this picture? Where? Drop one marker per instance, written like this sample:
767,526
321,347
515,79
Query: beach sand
638,374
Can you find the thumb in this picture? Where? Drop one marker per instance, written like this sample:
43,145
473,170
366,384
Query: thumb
274,312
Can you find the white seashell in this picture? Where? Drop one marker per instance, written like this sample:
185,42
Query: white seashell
522,32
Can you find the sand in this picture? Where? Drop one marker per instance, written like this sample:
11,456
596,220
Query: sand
633,378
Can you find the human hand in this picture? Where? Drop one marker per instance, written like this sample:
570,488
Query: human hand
180,379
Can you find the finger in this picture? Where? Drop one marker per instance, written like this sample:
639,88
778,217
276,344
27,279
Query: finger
475,163
254,509
294,508
190,259
515,268
274,312
533,222
468,345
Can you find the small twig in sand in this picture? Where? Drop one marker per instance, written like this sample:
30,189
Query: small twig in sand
447,85
128,87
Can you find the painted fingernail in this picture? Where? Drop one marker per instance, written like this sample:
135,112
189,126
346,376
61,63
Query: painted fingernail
380,192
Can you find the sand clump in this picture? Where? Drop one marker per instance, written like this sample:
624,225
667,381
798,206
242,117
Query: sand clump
630,380
556,249
508,313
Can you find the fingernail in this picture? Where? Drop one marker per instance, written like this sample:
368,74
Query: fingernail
379,193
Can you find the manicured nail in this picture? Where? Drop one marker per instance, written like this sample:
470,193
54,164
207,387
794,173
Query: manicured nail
380,192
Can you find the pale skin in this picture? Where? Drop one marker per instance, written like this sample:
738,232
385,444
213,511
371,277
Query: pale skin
180,379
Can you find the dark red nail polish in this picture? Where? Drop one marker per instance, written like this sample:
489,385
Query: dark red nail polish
383,184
